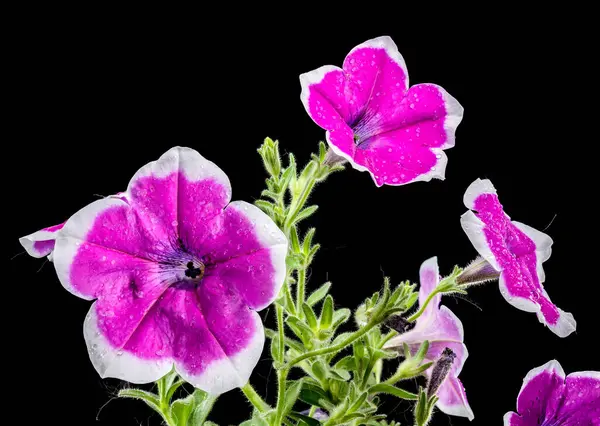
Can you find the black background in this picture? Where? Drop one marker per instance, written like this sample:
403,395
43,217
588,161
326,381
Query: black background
97,98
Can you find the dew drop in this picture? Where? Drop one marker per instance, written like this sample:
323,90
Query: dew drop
174,223
389,149
438,156
112,262
160,352
412,106
119,353
103,258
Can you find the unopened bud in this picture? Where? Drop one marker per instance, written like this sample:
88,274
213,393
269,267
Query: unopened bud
399,323
479,271
440,371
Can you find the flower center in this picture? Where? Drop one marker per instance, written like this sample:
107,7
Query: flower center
195,270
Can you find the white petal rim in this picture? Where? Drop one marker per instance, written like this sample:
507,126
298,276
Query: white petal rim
478,187
116,363
386,43
226,374
473,227
270,237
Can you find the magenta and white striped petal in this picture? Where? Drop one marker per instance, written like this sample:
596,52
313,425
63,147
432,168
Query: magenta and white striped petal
177,272
517,251
375,121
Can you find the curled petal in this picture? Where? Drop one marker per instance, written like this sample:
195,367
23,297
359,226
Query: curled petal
453,398
40,243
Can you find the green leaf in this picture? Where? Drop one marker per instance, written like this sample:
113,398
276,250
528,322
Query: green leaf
346,363
326,318
420,355
148,397
322,151
318,294
269,194
392,390
313,250
311,318
173,388
265,206
319,370
340,316
300,329
305,213
286,177
340,374
304,420
352,416
294,239
291,395
313,394
306,244
275,348
181,409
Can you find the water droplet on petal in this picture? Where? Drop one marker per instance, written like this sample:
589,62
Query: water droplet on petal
412,106
119,353
438,156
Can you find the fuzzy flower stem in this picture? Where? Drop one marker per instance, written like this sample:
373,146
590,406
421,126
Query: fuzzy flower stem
417,314
255,398
300,289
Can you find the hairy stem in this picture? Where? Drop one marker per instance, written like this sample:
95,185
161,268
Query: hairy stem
417,314
255,398
300,289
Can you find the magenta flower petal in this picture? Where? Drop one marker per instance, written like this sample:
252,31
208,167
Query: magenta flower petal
517,251
442,329
375,122
547,397
40,243
176,270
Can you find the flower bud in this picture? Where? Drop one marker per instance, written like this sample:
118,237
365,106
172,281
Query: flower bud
440,371
479,271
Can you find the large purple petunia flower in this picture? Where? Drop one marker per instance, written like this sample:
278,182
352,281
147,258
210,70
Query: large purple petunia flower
517,251
442,329
548,398
178,273
375,121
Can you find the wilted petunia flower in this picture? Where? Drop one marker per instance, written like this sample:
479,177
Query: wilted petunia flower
375,121
549,398
178,273
517,251
444,331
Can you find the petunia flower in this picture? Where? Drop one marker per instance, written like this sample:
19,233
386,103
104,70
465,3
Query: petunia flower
41,243
442,329
178,273
517,251
375,121
549,398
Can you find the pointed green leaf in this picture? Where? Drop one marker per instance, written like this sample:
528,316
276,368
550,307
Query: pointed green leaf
265,206
392,390
305,213
294,239
304,420
340,374
307,242
346,363
420,355
319,370
322,151
311,318
326,319
313,394
318,294
291,395
340,316
181,409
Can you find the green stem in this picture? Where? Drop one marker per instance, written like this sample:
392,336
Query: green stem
310,183
255,398
335,348
417,314
281,382
281,343
300,289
